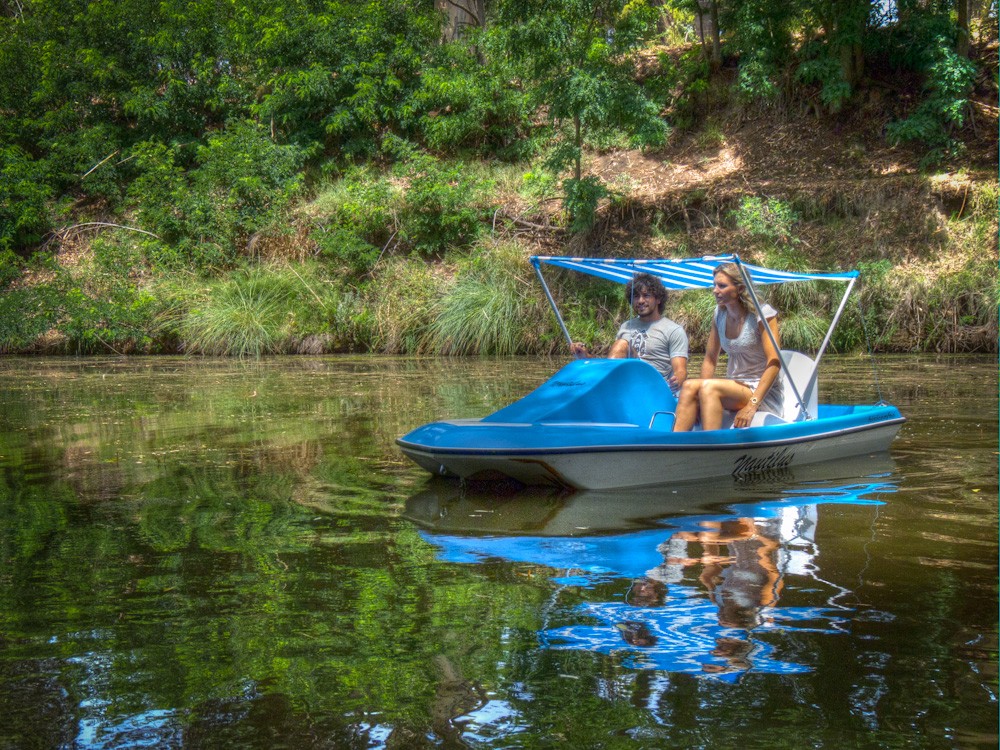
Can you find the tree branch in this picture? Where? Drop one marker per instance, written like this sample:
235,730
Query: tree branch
109,224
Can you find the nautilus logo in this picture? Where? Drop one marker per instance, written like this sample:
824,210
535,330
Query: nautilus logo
777,460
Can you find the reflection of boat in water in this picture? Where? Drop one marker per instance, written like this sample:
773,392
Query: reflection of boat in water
601,423
448,507
692,588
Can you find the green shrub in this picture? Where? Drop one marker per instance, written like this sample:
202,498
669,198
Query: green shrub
117,320
443,206
680,88
768,219
487,310
26,315
467,103
926,44
249,313
24,196
822,68
360,218
242,183
11,267
581,201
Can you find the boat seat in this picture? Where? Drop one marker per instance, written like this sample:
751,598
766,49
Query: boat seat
800,369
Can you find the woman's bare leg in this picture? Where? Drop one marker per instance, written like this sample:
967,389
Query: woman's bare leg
719,395
687,405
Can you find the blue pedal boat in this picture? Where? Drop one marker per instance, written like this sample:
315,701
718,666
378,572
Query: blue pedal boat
607,424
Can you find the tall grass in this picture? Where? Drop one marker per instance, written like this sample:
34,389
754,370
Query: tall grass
254,311
397,306
487,310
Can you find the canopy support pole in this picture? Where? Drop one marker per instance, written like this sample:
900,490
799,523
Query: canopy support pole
829,333
836,319
552,302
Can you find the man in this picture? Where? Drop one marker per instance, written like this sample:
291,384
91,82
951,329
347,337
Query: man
649,335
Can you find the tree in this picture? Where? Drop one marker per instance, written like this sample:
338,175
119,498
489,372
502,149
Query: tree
576,57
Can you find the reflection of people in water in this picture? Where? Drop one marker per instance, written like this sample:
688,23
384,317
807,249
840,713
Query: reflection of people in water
644,592
740,572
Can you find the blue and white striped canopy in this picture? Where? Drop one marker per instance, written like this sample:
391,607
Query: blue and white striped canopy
679,273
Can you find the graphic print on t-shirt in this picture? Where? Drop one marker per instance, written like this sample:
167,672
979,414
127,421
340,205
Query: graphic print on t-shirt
638,342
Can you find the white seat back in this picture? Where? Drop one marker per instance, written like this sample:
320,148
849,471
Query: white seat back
801,369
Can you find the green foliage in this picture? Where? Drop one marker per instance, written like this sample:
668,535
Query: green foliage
26,315
539,184
361,217
768,219
97,309
925,44
443,205
116,321
242,183
464,102
249,313
582,197
677,19
762,38
681,88
11,267
820,67
24,196
487,311
577,57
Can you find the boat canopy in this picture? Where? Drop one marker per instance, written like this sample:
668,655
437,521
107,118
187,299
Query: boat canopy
680,273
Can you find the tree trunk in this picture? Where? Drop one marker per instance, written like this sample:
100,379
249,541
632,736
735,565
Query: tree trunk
579,147
707,26
716,59
461,14
962,47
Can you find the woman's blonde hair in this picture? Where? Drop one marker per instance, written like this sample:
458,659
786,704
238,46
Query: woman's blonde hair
732,271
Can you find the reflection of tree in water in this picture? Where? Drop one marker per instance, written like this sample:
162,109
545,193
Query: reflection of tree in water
455,696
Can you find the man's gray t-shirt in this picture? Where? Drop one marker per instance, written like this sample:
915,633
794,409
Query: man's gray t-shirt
657,342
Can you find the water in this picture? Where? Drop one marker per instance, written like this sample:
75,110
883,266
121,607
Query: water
204,553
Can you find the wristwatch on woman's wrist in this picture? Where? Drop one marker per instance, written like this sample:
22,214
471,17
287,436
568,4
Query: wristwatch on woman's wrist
754,400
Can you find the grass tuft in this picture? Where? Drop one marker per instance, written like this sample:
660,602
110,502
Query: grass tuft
252,312
486,311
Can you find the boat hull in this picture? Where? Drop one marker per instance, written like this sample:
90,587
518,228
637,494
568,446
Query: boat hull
620,456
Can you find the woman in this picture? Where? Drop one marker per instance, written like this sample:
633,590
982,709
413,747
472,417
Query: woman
751,383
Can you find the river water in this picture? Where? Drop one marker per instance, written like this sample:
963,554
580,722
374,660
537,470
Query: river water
211,553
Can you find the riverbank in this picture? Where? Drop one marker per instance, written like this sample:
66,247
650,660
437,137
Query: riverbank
432,258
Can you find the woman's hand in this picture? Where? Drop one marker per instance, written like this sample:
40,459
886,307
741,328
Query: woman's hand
744,416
